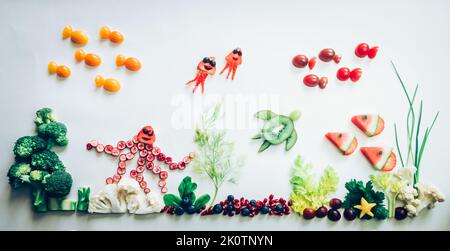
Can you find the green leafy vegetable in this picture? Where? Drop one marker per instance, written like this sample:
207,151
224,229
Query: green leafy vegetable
215,158
83,199
356,191
391,186
186,201
306,192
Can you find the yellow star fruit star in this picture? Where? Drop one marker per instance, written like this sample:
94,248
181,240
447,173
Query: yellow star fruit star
365,207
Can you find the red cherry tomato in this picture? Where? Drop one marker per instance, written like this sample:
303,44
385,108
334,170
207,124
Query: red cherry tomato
326,55
300,61
323,82
373,52
362,50
311,80
343,74
337,58
355,75
312,63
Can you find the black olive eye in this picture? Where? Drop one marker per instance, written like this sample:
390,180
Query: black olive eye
205,60
145,131
150,133
235,51
240,53
213,63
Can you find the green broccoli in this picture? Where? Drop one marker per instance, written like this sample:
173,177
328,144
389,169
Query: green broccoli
39,199
46,160
44,116
27,145
18,170
54,131
38,175
58,183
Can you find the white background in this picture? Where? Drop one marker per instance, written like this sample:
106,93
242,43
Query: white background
170,37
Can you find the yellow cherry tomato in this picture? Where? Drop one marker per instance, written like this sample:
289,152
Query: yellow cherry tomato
80,55
99,81
104,32
116,37
111,85
133,64
63,71
52,66
92,60
79,37
120,60
67,32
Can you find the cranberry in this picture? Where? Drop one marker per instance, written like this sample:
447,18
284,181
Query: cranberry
335,203
362,50
343,74
373,52
326,55
355,74
300,61
308,213
311,80
321,212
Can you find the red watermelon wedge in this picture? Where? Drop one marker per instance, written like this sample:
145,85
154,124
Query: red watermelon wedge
383,159
370,124
345,142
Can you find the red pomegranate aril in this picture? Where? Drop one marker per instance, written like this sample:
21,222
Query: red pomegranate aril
122,164
356,74
150,157
343,74
133,173
135,140
168,160
130,143
163,175
140,146
89,146
373,52
337,58
311,80
108,149
164,190
326,55
187,160
140,169
94,143
156,150
312,62
323,81
173,166
143,153
149,165
134,150
130,156
109,180
100,148
115,152
181,165
143,184
146,190
123,157
148,147
121,145
116,178
162,183
141,161
139,177
300,61
161,157
121,171
362,50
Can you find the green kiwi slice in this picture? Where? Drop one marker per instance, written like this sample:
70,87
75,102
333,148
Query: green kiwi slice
278,129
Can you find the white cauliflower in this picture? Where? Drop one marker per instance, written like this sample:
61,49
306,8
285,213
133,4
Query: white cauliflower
123,197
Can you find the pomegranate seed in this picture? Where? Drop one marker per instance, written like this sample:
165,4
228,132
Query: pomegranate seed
140,169
164,190
149,165
115,152
181,165
168,160
143,184
109,180
173,166
116,177
271,197
162,183
139,177
121,145
156,150
140,146
150,157
141,161
130,144
122,157
108,149
100,148
148,147
156,169
130,156
133,173
121,171
146,190
187,160
135,140
93,143
89,146
122,164
163,175
143,153
134,150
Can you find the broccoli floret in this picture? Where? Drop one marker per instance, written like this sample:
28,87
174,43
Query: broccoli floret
58,183
55,131
27,145
44,116
46,160
38,175
19,169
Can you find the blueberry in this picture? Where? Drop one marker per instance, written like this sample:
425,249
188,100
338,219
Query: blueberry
186,202
279,208
253,203
230,198
264,210
245,212
179,211
217,209
191,209
230,204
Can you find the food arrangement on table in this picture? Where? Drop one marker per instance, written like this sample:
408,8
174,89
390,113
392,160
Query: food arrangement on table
394,190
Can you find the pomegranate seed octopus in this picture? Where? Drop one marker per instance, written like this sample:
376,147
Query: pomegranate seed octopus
142,146
206,67
234,59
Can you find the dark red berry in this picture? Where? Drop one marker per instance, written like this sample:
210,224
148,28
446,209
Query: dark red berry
321,212
335,203
334,215
400,213
308,213
349,214
89,146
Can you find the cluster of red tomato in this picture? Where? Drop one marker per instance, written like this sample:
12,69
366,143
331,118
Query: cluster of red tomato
328,55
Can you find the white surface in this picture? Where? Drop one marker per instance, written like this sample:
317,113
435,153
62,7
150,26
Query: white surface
170,37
